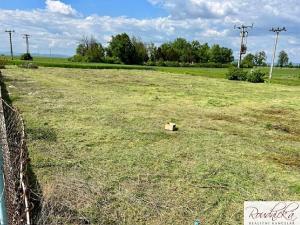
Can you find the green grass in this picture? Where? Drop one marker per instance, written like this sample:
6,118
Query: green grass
64,63
100,152
286,76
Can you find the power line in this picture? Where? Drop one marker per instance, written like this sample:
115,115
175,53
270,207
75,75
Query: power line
244,34
10,41
27,36
277,31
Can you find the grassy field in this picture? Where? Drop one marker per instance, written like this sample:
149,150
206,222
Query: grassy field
101,155
286,76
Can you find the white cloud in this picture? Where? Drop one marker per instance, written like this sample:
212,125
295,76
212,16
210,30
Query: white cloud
55,28
214,33
56,6
197,8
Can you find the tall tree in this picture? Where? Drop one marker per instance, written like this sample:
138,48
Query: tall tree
95,51
159,54
89,50
219,54
283,59
196,46
260,58
121,47
169,53
248,61
152,52
140,51
183,50
226,55
204,53
215,53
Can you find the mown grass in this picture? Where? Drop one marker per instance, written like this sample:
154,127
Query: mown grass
101,155
286,76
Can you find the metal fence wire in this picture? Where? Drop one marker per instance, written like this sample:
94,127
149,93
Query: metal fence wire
15,161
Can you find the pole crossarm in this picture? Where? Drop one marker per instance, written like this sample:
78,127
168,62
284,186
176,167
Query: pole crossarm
10,41
244,34
27,36
278,29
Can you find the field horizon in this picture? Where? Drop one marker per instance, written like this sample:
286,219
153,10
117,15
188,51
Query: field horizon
286,76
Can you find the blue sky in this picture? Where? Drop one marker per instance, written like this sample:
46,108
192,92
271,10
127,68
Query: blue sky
130,8
59,24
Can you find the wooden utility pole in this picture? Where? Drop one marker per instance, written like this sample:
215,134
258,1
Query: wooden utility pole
10,41
244,34
277,31
26,36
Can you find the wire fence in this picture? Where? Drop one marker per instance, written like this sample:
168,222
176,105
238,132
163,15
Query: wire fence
15,161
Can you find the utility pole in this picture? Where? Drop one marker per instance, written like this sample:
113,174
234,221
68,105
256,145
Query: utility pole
277,31
10,40
244,34
26,36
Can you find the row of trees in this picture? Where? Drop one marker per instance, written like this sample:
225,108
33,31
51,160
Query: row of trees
181,50
260,59
123,49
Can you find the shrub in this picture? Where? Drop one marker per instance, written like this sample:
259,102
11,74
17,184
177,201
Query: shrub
112,60
247,65
160,63
77,58
3,62
26,56
256,76
172,64
27,65
236,74
150,63
184,64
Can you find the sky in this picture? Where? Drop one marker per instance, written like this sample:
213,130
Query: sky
60,24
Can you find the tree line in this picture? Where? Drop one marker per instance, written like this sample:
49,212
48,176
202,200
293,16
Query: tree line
131,50
260,59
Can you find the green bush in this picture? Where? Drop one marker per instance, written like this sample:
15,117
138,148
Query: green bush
172,64
150,63
247,65
26,56
236,74
256,76
3,62
112,60
184,64
160,63
77,58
